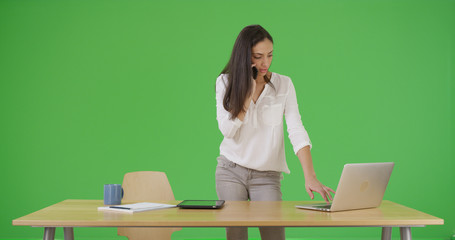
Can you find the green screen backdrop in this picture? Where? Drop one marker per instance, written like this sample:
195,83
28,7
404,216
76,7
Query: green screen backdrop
91,90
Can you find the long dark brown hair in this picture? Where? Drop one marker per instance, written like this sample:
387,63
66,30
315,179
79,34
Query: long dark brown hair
239,69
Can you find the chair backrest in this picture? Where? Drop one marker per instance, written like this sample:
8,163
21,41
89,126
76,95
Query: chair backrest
146,186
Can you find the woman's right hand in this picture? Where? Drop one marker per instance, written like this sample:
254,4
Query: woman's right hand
246,105
248,100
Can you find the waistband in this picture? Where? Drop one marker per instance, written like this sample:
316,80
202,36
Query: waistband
230,163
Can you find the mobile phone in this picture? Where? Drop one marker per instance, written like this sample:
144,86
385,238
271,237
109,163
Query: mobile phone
255,73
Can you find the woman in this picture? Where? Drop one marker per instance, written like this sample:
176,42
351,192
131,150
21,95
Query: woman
250,116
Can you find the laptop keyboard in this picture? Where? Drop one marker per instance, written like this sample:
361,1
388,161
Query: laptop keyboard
326,206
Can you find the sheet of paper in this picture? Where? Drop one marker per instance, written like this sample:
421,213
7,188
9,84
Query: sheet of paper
136,207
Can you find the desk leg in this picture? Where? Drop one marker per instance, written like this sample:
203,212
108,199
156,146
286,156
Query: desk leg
386,233
68,233
49,233
405,233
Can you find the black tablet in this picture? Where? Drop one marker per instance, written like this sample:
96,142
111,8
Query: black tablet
201,204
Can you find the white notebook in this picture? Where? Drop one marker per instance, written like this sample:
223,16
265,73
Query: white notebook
136,207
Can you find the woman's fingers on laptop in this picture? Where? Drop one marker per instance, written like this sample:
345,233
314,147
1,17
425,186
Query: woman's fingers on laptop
320,191
328,190
324,192
324,195
328,193
310,193
314,185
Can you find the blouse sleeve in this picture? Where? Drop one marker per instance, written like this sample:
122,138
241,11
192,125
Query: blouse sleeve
297,133
227,126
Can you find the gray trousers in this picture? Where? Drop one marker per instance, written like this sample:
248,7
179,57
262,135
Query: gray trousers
238,183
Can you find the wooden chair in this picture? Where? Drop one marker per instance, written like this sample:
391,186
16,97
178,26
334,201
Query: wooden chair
146,186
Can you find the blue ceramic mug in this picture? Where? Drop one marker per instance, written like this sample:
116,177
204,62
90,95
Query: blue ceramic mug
113,194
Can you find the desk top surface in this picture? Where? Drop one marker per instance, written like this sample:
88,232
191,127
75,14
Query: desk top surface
84,213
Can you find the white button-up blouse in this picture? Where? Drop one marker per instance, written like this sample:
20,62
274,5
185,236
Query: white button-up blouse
257,142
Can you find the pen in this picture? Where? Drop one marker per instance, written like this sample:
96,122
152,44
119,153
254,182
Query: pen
120,207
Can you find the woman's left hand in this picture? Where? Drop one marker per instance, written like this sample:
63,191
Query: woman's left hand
313,184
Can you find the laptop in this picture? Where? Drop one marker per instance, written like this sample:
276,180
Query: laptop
362,185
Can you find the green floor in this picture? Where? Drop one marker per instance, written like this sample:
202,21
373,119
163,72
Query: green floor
453,238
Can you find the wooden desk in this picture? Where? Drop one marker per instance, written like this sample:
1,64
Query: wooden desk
84,213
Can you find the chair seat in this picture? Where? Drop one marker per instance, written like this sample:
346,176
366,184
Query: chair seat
147,186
